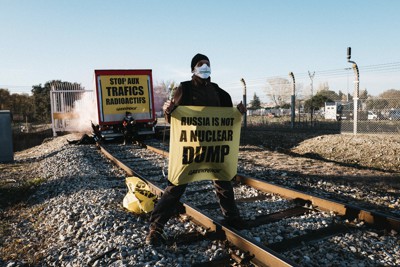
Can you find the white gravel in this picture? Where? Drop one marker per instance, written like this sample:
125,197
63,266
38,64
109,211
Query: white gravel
76,218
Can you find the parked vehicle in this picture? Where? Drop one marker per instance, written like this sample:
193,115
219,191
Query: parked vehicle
373,115
394,114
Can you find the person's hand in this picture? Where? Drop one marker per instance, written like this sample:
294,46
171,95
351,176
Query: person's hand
241,108
168,107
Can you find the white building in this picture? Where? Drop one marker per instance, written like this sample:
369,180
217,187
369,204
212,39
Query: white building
331,110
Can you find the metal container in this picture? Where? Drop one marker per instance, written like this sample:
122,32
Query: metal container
6,142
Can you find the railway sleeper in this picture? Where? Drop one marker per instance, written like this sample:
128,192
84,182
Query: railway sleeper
266,218
277,216
189,238
228,260
252,199
215,205
237,257
311,237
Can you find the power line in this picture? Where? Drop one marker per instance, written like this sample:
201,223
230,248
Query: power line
332,73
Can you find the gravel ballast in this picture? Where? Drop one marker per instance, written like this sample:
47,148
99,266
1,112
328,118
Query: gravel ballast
75,216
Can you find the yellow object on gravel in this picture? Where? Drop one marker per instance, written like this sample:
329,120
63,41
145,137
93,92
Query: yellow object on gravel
139,198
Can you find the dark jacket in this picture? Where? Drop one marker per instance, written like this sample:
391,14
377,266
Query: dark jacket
200,92
128,124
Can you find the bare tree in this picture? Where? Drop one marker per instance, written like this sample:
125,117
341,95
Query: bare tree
392,96
279,90
162,91
323,87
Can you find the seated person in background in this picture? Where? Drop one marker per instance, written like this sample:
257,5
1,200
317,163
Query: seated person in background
85,140
128,125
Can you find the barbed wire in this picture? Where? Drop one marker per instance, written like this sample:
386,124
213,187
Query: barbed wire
333,73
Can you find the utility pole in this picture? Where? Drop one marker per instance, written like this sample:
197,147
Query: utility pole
356,90
244,103
312,94
293,101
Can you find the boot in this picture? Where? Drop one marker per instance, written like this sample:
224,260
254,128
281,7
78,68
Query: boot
156,236
236,222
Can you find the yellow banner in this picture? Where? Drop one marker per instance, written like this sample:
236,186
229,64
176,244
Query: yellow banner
125,93
204,144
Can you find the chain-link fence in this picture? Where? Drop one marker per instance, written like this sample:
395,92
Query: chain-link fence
72,108
374,116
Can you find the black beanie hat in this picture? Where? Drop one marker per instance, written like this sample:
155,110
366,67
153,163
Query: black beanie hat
197,58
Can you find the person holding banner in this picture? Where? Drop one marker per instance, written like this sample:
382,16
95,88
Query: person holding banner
199,91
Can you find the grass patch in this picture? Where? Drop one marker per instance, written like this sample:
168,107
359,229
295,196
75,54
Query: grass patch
13,192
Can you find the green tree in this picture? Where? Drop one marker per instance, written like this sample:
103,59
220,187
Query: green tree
363,94
5,99
317,101
41,98
342,96
285,106
329,94
349,97
22,107
255,103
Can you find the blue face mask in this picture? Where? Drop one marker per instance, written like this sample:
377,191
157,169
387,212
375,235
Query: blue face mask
203,71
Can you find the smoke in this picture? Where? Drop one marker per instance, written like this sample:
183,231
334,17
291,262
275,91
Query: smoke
86,110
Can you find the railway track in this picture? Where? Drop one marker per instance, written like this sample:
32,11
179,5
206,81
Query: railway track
281,221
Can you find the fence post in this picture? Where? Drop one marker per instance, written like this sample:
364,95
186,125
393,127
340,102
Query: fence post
244,103
312,96
293,101
356,90
53,110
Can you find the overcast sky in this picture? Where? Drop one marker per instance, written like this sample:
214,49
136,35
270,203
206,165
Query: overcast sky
45,40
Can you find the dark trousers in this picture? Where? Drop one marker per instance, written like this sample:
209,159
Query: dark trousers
169,201
129,135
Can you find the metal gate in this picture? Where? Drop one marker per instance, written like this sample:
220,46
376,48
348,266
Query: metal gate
72,108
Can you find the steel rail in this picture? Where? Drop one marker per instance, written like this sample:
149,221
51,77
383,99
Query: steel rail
347,210
262,256
378,219
155,189
157,150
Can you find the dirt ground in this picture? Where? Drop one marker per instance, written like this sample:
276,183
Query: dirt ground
374,152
